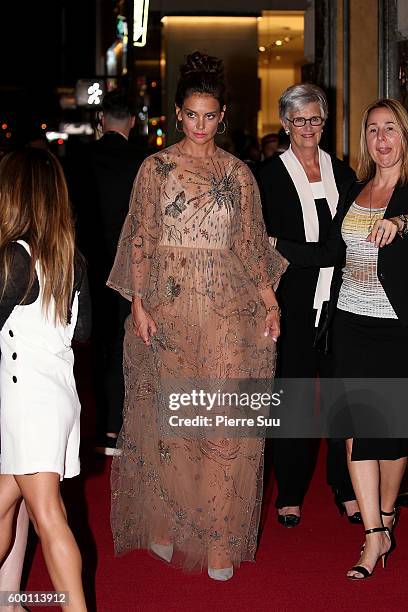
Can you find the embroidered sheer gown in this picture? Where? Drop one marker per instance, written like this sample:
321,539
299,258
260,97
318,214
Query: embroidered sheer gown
194,248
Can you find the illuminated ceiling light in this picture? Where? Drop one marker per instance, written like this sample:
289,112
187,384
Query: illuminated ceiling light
287,39
154,83
278,57
199,21
140,17
4,126
163,19
43,126
278,43
261,49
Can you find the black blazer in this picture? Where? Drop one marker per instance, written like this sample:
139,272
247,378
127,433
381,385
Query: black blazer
101,185
392,259
281,206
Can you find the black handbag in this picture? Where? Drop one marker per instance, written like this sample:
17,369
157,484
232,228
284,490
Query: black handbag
321,339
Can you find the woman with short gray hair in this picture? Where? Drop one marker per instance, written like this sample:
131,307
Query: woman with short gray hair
298,96
300,193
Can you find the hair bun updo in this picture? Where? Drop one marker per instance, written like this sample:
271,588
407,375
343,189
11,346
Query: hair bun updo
200,62
201,74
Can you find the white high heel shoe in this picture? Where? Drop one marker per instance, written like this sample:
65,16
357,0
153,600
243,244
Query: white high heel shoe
164,551
224,573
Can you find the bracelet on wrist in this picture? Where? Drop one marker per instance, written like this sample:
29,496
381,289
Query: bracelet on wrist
404,229
273,308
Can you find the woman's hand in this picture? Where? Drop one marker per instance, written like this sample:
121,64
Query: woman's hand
383,232
272,319
143,324
272,322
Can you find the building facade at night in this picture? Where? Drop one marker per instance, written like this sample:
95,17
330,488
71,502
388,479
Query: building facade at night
356,50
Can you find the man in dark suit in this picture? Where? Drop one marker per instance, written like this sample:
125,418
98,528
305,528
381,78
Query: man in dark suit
104,182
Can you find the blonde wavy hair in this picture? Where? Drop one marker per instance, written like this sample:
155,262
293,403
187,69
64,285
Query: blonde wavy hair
366,165
34,207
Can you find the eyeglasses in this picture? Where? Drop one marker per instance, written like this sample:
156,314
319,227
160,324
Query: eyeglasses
301,121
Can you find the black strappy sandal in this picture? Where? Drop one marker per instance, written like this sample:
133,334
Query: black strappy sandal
394,514
363,570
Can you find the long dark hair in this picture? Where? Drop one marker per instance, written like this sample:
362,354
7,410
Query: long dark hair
34,206
201,74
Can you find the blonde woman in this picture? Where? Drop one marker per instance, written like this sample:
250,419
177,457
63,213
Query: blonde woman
42,289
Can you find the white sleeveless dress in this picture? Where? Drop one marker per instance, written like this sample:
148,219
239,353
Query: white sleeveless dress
40,409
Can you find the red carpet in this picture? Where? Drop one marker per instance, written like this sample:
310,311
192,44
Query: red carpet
296,570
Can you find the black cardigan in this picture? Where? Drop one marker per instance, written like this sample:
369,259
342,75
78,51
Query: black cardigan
392,259
281,205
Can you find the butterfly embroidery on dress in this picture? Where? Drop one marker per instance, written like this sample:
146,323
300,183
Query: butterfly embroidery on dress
163,168
176,208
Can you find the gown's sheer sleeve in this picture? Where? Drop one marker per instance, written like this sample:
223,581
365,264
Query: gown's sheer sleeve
263,264
130,274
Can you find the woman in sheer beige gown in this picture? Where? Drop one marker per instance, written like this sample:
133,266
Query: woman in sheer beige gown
195,251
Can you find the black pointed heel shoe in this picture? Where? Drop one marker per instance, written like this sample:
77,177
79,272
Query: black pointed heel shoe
354,519
365,573
289,520
402,500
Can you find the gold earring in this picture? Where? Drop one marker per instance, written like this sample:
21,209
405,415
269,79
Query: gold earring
224,125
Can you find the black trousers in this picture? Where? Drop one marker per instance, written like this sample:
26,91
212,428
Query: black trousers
110,311
294,459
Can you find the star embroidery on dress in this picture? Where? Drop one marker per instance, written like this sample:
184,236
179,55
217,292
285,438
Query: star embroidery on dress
223,190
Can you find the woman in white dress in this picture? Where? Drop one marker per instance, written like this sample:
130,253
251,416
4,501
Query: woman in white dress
41,279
